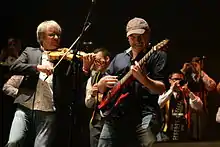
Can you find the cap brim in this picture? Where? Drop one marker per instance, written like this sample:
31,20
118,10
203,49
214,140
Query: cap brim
137,31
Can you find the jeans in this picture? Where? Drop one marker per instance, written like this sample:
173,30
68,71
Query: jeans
129,132
95,131
25,130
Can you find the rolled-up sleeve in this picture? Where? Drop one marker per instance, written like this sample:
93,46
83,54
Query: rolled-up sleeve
11,86
195,102
90,100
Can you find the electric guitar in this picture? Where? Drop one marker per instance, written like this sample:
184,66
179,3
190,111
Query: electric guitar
114,96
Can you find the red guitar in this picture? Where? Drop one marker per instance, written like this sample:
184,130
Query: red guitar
114,96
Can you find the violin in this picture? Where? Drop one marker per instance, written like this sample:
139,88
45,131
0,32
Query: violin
58,54
63,54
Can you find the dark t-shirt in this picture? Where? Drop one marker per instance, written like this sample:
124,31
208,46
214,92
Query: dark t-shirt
140,100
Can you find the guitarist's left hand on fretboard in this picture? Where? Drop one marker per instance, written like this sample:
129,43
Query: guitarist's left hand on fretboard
137,72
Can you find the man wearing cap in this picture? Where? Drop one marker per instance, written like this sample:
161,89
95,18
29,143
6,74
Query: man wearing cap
135,121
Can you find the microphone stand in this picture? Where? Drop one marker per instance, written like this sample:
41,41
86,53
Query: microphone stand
74,68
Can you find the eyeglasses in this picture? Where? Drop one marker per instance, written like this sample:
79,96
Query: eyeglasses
54,35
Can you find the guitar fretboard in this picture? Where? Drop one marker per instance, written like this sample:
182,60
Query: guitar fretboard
125,78
149,53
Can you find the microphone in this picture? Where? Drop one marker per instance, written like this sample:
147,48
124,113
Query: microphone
203,57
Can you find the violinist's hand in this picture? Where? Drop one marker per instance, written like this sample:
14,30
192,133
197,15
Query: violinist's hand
48,69
88,60
137,71
107,82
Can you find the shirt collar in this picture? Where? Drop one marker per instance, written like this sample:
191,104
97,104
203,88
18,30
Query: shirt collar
128,51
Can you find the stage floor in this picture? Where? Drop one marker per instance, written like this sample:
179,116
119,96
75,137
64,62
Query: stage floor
188,144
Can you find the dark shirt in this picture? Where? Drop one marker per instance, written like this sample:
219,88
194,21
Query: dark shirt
194,86
140,100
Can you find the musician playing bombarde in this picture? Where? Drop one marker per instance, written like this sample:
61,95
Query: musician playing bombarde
177,103
134,122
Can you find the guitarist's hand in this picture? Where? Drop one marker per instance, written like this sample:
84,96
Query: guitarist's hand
107,82
137,71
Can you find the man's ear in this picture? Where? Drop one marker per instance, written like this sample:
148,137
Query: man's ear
170,81
107,59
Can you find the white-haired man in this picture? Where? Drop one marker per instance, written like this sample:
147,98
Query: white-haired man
35,115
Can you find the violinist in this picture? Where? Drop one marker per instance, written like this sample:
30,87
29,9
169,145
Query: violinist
177,103
35,114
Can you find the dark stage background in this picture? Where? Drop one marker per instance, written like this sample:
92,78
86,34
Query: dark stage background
193,28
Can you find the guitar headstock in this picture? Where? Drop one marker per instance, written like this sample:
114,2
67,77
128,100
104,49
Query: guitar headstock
161,45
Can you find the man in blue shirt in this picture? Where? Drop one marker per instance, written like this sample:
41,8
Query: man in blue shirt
135,120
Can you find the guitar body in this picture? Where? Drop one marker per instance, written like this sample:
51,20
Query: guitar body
113,98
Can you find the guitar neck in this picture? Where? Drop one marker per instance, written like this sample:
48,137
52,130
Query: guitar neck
129,74
147,56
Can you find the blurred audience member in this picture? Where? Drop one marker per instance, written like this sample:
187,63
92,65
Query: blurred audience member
218,112
10,53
